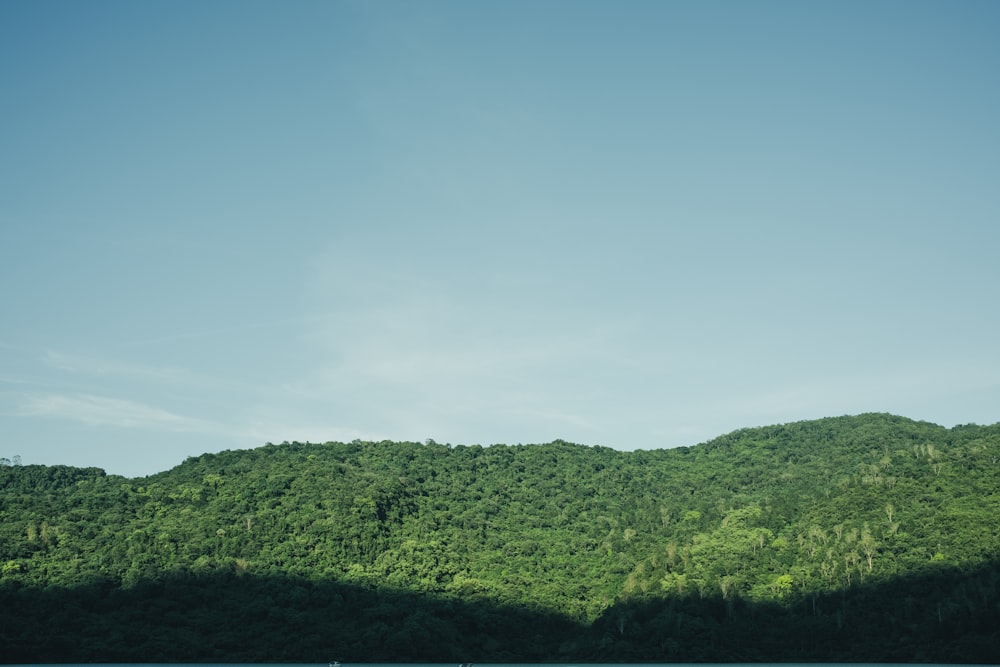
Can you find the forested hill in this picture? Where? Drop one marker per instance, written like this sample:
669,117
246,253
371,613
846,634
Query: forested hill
866,538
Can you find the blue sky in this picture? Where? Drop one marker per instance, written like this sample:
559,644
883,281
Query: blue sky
631,224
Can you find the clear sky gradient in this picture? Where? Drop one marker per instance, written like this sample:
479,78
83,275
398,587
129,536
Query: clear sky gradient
621,223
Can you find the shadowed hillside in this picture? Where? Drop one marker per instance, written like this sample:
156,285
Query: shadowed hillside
950,617
869,538
243,618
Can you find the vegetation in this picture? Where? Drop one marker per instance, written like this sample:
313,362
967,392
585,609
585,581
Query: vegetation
868,538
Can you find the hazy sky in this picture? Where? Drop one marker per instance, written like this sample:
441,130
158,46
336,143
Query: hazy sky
620,223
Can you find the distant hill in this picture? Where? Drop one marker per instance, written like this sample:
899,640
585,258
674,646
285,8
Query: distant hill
862,538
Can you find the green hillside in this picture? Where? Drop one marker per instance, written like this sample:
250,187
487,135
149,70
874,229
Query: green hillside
872,538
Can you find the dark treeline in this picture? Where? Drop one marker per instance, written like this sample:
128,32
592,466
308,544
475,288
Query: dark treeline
869,538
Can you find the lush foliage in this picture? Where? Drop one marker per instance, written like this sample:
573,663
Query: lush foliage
854,538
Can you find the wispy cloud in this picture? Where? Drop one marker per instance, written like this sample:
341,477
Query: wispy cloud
96,410
94,374
502,354
104,367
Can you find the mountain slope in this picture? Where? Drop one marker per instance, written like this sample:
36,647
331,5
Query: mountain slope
773,521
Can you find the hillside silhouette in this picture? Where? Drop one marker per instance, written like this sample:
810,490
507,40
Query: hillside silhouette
867,538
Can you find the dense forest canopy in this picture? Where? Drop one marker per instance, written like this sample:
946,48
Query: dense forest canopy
872,537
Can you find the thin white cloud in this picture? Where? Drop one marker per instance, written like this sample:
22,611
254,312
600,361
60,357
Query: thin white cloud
91,374
399,327
104,367
499,355
96,410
